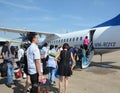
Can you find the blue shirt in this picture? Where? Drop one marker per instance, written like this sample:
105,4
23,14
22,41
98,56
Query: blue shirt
72,51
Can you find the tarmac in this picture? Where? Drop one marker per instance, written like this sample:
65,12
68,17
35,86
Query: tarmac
100,77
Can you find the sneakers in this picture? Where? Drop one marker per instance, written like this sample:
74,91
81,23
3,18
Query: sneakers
9,85
13,83
24,76
53,83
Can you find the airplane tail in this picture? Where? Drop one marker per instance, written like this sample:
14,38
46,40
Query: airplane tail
112,22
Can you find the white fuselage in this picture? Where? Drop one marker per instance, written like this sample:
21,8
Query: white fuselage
105,39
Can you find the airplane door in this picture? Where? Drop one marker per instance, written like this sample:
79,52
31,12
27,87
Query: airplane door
91,35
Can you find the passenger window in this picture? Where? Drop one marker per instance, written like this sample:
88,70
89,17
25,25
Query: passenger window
61,40
67,40
70,39
77,38
73,39
56,41
64,40
80,38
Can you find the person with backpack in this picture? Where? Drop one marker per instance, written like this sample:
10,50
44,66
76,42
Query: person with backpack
20,55
51,64
44,57
80,55
21,62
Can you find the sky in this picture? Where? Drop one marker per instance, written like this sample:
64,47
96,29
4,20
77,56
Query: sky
56,16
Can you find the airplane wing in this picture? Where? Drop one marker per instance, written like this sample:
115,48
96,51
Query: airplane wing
49,36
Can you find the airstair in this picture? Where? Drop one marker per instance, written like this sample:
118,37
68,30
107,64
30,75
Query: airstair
86,61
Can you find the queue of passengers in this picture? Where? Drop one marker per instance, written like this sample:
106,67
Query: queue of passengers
47,60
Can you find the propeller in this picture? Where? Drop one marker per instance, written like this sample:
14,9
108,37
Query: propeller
24,37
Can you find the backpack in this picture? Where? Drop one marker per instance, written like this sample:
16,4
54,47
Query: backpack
25,64
80,53
3,68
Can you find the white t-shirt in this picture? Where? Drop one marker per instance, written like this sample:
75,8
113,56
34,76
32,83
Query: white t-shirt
45,49
20,53
33,53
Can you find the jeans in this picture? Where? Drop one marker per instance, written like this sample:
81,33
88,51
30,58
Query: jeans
51,74
20,65
10,72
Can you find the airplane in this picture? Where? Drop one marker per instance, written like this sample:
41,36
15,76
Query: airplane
104,38
3,40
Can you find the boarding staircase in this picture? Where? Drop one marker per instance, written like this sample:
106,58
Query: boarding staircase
86,61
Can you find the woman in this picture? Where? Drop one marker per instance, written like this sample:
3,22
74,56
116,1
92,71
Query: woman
64,68
10,56
51,64
86,43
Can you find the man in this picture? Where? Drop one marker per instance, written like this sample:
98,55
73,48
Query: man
45,49
4,53
5,49
73,52
21,59
80,55
20,55
33,60
44,53
8,56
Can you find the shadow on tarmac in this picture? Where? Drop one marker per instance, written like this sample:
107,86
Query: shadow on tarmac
107,64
